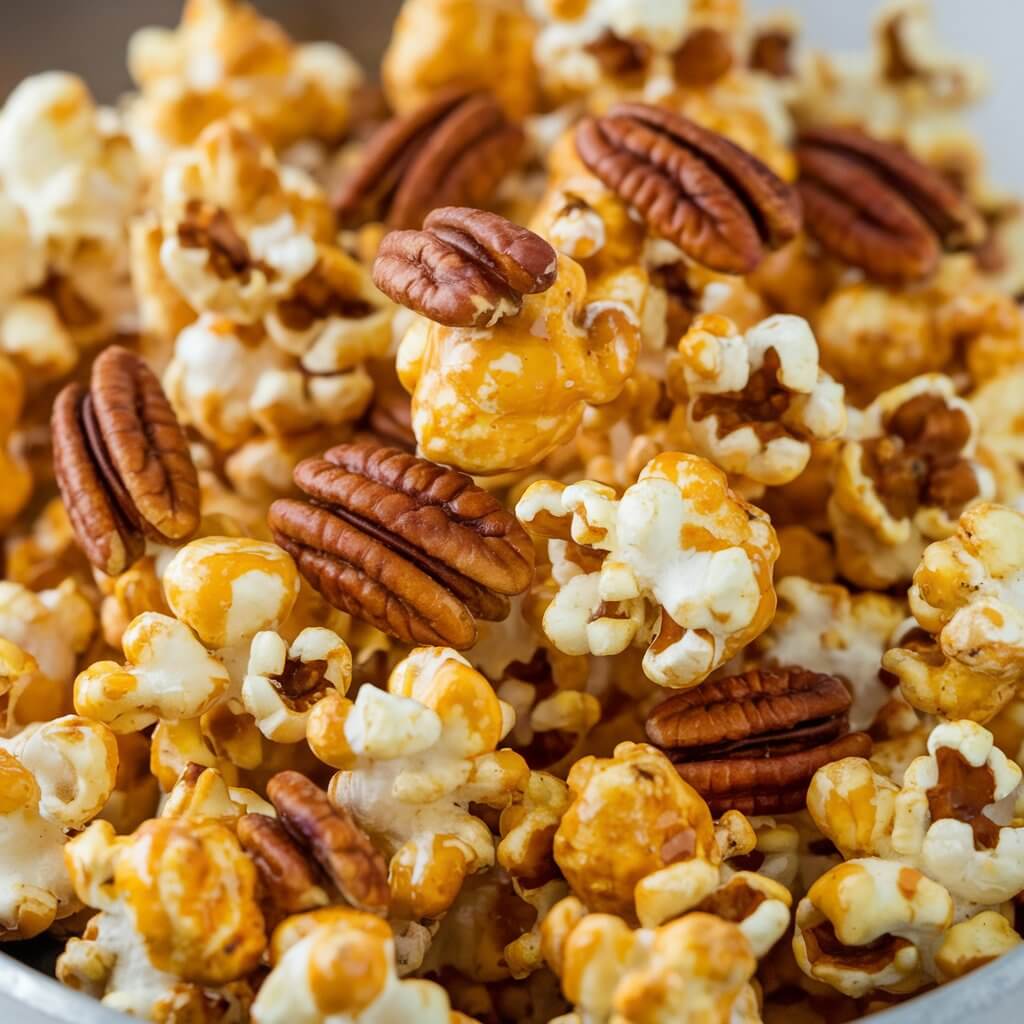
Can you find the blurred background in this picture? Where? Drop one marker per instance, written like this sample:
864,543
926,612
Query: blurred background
89,37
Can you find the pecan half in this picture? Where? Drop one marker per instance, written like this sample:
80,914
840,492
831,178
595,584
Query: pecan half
466,268
714,200
453,150
122,463
752,742
415,549
290,880
335,841
875,206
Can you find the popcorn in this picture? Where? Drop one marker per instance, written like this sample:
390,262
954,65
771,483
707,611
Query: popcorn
952,818
178,919
285,318
335,966
499,398
687,570
73,175
439,43
1000,438
224,57
54,778
412,759
966,660
15,472
903,479
825,628
694,969
755,401
895,911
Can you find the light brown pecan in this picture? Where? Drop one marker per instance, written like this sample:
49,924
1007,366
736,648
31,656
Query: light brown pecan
919,461
122,463
415,549
752,742
453,150
875,206
717,202
466,268
704,57
334,840
290,880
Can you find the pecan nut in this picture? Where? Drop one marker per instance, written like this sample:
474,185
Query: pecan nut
412,548
466,268
720,204
963,791
330,834
752,742
122,463
453,150
875,206
290,880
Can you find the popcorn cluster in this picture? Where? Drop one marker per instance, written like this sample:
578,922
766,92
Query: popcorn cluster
600,455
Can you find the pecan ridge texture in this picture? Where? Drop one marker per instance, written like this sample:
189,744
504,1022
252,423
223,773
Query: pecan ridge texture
122,462
465,268
720,204
874,205
752,742
453,150
417,550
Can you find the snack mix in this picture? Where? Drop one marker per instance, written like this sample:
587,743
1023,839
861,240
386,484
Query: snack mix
540,541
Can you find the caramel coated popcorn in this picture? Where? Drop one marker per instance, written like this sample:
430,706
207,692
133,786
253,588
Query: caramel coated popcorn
680,564
375,459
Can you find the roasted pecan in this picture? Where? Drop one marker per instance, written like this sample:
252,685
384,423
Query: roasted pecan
920,462
875,206
466,268
389,418
771,52
752,742
334,840
122,463
963,791
453,150
716,201
290,880
414,549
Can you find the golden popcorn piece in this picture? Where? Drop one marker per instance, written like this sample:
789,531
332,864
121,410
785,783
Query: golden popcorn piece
480,44
973,943
202,794
902,480
895,911
679,564
826,628
631,815
1001,432
967,659
695,969
756,400
338,964
178,916
26,695
290,91
498,398
54,778
413,759
954,816
16,473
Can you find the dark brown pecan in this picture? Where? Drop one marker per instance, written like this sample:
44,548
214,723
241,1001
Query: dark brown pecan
466,268
752,742
335,841
919,461
453,150
963,791
717,202
415,549
771,51
705,55
290,880
122,463
875,206
389,418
